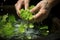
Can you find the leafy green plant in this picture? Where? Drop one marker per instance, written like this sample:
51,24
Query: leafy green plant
44,30
25,14
11,18
9,26
32,6
8,29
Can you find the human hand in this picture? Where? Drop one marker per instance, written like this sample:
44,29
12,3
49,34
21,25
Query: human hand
43,9
21,3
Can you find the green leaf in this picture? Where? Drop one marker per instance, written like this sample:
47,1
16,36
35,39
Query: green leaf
8,29
11,18
31,25
32,6
21,29
4,18
25,14
44,27
29,37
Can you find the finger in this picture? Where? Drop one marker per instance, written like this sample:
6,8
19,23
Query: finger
18,6
26,3
41,15
37,7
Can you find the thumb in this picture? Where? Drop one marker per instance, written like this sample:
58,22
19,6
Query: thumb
36,8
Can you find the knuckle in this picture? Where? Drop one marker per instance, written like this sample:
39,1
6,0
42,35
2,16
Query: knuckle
43,10
22,1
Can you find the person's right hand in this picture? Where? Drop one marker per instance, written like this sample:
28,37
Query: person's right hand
19,5
43,8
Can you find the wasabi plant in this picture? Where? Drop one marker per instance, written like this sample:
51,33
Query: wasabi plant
11,27
25,14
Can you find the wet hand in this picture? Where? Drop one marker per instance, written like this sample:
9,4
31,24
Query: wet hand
43,9
21,3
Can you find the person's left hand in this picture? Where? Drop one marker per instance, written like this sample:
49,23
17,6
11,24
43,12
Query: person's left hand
43,9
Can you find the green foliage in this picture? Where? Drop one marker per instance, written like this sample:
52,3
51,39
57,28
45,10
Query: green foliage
4,18
21,28
32,6
25,14
31,25
29,37
9,26
8,29
44,27
44,30
11,18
